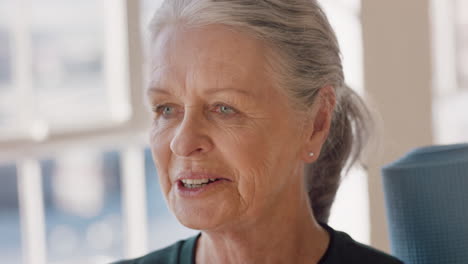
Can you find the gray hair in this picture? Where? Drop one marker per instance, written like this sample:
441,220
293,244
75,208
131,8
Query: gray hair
305,57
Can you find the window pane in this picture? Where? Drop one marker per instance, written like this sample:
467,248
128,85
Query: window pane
5,59
450,106
10,230
83,207
462,42
6,68
7,113
68,60
64,64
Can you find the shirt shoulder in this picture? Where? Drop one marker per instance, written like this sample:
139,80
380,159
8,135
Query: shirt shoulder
344,249
167,255
180,252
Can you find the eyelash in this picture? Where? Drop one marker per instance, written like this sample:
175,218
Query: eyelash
158,109
230,107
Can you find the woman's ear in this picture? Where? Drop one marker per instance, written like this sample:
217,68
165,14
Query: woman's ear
318,125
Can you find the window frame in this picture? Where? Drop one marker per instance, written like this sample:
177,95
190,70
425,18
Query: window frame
132,128
122,73
128,136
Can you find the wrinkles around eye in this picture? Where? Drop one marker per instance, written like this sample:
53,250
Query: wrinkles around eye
168,110
225,110
165,110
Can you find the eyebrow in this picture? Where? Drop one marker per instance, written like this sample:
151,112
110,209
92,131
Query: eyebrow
151,90
209,91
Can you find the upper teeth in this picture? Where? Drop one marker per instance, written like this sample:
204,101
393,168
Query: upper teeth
197,181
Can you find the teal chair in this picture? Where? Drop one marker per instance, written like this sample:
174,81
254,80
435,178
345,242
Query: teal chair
426,195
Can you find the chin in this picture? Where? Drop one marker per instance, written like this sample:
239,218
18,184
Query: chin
201,218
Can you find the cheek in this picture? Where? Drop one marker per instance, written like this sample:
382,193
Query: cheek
159,142
251,153
263,154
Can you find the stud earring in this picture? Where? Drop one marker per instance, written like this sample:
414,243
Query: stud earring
311,154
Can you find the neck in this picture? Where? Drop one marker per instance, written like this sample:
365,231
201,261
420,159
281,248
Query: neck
288,234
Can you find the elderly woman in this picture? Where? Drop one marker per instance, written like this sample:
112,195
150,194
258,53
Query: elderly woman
252,127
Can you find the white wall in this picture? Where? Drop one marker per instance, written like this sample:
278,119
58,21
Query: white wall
397,69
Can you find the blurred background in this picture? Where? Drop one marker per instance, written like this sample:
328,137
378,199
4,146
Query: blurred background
77,182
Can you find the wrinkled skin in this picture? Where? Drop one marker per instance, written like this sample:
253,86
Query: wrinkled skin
216,110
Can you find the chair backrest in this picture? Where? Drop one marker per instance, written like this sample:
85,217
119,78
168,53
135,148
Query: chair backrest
426,194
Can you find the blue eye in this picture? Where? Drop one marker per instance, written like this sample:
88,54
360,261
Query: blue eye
167,110
164,110
226,110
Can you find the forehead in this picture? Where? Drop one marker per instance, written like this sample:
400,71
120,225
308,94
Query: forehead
213,54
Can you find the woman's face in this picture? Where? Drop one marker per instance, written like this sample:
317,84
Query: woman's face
217,116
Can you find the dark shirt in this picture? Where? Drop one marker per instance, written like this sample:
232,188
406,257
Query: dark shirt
341,250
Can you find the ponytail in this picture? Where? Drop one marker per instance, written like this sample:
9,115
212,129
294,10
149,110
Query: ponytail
348,134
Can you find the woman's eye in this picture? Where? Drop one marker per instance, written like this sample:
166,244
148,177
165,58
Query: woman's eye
164,110
225,110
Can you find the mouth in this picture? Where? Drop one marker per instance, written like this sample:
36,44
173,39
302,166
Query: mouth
194,185
198,183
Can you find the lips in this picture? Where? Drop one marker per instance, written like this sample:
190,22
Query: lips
196,185
198,177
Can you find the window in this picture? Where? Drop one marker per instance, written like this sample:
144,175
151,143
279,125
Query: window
64,82
67,48
10,240
450,100
63,67
5,48
6,67
82,204
461,7
5,60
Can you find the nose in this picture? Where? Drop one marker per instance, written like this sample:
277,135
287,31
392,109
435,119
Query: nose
191,138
